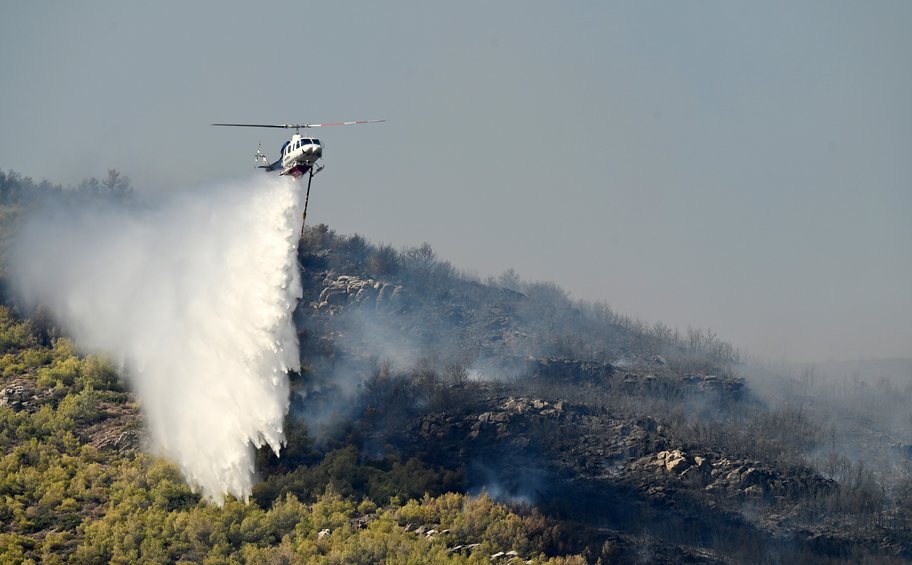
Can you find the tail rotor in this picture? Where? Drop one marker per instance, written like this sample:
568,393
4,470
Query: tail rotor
260,160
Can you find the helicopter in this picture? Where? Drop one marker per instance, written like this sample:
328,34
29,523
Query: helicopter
298,156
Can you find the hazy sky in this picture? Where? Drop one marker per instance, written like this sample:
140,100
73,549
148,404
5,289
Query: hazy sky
745,167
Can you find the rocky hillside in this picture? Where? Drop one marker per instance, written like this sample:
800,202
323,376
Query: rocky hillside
437,418
644,445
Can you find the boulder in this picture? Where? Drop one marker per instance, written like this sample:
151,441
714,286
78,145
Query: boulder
676,462
333,296
366,294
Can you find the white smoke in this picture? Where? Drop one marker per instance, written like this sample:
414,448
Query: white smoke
194,297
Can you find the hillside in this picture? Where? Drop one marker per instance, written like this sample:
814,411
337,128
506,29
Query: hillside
630,435
440,418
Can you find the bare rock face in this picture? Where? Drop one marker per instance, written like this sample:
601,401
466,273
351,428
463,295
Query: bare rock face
19,395
664,381
736,478
569,369
348,290
120,440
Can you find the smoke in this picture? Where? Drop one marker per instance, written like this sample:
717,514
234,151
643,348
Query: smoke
194,297
512,478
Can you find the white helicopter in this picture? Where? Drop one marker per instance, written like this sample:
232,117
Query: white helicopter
298,156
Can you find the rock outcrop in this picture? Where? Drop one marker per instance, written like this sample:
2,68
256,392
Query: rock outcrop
348,290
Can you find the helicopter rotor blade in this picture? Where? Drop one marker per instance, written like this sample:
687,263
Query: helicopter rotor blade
340,124
254,125
300,126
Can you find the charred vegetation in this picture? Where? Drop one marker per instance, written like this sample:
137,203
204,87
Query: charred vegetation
629,435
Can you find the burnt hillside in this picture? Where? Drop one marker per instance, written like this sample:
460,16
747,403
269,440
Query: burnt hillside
642,444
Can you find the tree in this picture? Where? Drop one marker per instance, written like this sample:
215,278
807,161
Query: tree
117,185
384,261
510,280
421,259
359,250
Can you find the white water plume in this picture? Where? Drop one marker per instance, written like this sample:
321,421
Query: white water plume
194,297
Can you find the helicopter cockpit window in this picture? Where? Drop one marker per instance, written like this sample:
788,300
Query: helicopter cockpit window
316,141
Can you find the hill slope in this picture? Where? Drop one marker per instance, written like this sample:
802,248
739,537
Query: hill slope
627,433
438,418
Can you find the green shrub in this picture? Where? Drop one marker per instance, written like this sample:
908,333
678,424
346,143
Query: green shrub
82,407
60,372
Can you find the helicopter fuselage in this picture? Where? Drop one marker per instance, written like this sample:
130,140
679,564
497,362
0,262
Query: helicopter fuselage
298,156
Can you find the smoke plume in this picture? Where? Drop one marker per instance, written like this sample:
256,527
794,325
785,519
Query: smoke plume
193,296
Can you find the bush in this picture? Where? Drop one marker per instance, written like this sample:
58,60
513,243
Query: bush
82,407
15,334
